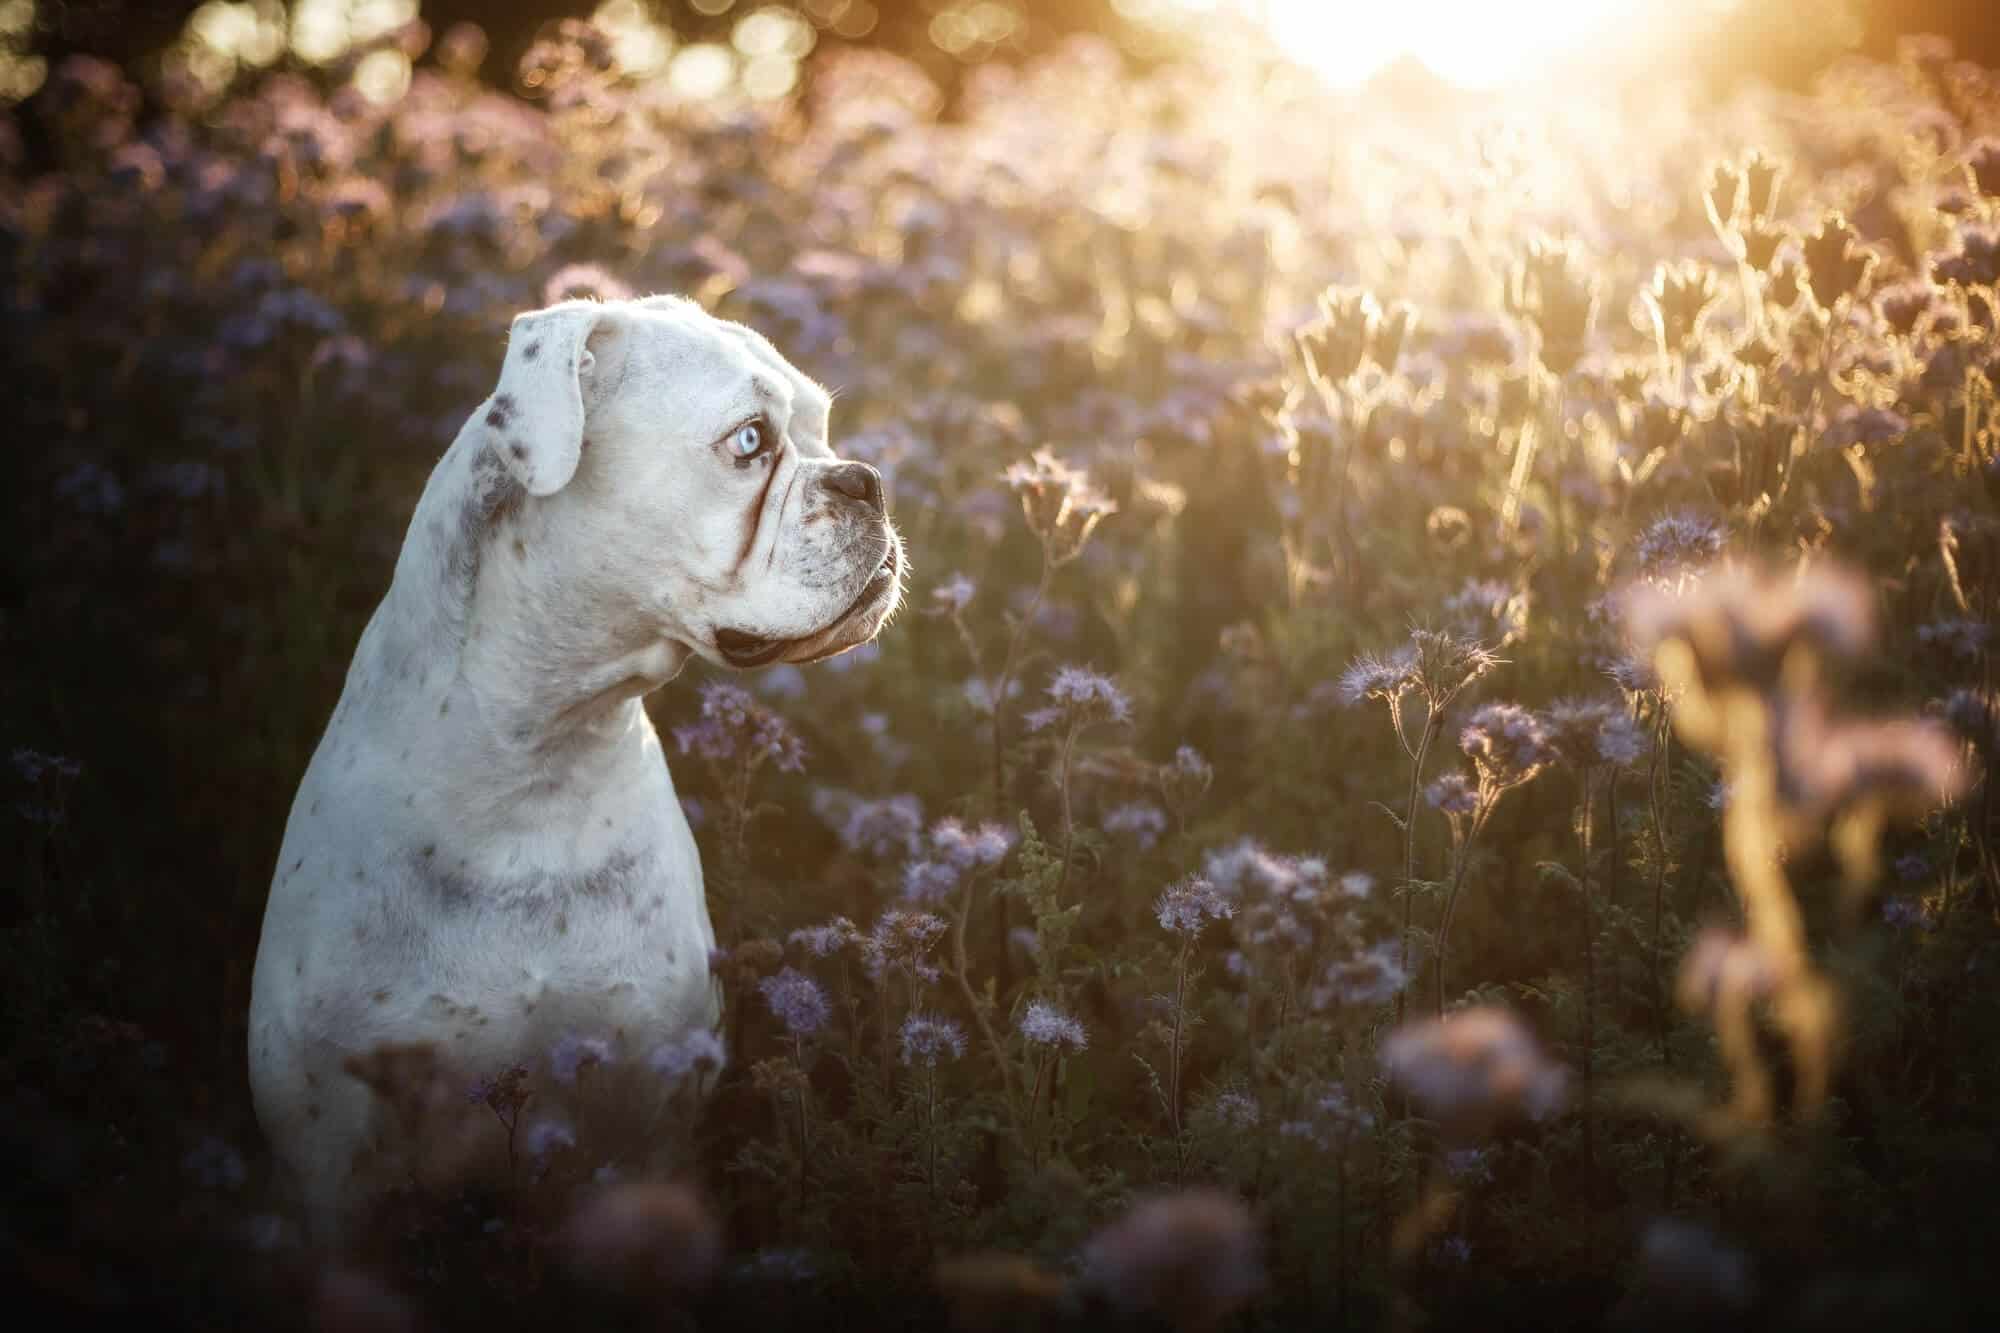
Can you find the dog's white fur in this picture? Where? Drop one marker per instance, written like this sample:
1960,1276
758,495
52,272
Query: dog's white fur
486,852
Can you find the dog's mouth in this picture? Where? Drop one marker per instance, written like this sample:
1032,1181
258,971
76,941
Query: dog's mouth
853,626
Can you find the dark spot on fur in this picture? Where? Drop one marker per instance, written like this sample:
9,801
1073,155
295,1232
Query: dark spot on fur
315,807
382,996
491,495
535,894
444,706
520,549
531,351
516,448
358,876
296,864
430,850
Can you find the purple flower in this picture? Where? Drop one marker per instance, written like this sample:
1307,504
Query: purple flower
1507,744
797,1001
953,595
548,1136
1246,869
701,1048
926,1039
1082,697
929,881
891,826
1454,794
1379,676
1677,541
901,942
1138,820
1370,977
572,1053
970,849
734,725
1045,1025
1235,1111
1585,733
1185,907
1487,610
823,941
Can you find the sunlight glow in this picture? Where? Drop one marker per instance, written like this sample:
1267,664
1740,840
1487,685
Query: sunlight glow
1471,43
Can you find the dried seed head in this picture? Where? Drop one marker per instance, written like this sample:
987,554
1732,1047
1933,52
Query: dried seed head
1061,506
1762,178
1740,624
1191,1259
643,1241
1679,298
1474,1070
1336,341
1553,288
1837,263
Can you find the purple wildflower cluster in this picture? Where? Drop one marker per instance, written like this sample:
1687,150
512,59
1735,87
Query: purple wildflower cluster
1079,698
735,728
1042,1024
797,1001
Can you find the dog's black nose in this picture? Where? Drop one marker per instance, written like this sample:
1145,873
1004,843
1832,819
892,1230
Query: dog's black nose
857,481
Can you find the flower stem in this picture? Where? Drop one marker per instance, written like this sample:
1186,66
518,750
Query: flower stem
1007,668
1433,722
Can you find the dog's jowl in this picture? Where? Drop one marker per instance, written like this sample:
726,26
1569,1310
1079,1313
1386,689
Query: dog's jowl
486,866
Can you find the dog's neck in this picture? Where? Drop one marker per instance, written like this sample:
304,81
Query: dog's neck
498,614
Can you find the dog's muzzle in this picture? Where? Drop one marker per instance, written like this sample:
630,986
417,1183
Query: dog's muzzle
744,650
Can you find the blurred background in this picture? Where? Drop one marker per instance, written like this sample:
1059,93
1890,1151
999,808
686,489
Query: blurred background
765,50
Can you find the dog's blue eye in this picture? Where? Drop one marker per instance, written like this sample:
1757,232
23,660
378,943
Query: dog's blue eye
748,441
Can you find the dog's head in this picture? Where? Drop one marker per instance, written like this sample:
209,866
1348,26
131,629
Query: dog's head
683,467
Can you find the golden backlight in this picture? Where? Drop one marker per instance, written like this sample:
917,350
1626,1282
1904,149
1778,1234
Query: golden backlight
1471,43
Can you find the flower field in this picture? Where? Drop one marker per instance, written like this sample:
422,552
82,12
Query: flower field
1432,771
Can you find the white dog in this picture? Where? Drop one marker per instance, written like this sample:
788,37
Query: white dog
486,856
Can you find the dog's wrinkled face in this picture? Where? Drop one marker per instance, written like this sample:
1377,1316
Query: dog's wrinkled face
687,474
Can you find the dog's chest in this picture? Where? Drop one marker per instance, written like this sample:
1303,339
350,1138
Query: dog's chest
399,919
609,943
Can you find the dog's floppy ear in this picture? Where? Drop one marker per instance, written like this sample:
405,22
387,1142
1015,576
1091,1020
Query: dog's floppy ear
535,415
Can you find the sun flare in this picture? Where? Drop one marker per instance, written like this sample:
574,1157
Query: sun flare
1471,43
